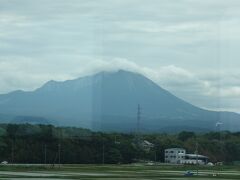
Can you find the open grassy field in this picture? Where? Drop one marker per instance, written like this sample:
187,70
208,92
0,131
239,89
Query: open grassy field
30,172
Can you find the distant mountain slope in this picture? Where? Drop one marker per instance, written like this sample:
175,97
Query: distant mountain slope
108,101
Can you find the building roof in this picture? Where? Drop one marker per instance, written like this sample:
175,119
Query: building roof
196,155
148,143
175,149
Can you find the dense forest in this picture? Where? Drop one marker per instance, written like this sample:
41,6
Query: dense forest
46,144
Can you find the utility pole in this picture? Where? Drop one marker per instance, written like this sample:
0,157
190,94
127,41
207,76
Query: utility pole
45,154
138,119
12,153
138,123
59,147
59,155
218,126
103,154
197,156
155,156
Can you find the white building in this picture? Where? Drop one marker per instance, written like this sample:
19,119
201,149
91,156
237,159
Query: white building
179,156
175,155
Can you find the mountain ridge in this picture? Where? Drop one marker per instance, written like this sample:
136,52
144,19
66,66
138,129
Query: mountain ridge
108,101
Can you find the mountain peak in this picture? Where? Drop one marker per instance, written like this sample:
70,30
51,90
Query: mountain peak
119,71
53,83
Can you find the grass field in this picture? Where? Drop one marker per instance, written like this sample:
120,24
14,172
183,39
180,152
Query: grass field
30,172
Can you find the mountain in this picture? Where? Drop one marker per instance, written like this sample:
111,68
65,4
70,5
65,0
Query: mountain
108,101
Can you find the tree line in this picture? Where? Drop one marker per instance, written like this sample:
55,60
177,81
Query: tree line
46,144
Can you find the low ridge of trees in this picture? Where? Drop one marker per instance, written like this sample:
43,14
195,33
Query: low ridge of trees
26,143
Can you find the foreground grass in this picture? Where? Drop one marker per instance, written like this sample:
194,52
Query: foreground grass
136,171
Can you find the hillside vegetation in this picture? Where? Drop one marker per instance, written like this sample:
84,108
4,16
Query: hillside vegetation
39,144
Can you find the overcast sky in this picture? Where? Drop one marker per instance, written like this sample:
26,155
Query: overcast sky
189,47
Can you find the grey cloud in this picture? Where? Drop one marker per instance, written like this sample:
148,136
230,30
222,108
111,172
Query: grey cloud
178,44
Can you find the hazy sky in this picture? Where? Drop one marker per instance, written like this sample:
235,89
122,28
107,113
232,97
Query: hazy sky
189,47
